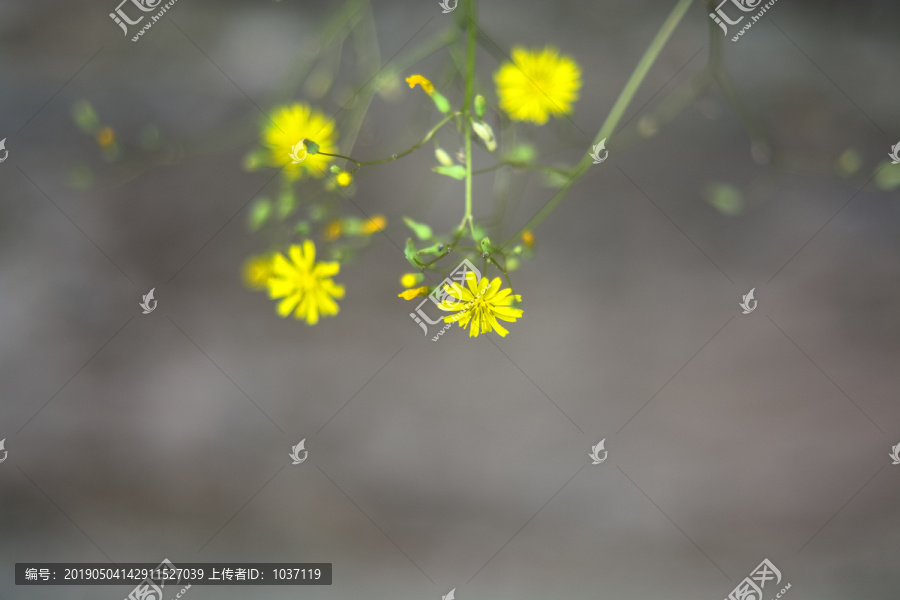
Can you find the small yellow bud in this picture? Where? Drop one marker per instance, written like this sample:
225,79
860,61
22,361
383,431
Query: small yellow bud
344,178
375,224
408,280
333,231
528,239
105,137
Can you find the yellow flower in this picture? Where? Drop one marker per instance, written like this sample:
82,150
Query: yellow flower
105,137
539,84
288,126
256,272
376,223
333,231
307,287
414,80
410,279
413,293
528,239
482,305
344,178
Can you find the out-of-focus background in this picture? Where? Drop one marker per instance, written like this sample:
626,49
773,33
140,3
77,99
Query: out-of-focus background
464,463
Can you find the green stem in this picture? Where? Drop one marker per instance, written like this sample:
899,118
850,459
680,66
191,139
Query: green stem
615,114
471,39
368,163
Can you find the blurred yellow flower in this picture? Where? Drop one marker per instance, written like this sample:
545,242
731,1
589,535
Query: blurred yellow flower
344,178
410,279
537,84
414,80
307,287
256,272
482,305
105,137
375,224
333,231
289,125
413,293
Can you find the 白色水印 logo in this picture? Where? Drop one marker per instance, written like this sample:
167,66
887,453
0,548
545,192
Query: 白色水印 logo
448,294
722,19
121,18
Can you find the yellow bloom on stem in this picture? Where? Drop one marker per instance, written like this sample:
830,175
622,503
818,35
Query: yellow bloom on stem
483,305
307,287
289,125
537,84
414,80
256,272
344,178
413,293
375,224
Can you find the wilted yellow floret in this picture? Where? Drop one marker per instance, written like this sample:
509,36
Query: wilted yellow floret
413,293
105,137
528,238
375,224
332,231
537,84
414,80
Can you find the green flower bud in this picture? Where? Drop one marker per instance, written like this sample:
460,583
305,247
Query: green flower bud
442,157
334,169
484,131
440,102
480,105
311,146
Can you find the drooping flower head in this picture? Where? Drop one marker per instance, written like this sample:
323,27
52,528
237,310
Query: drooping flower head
307,287
290,125
537,84
484,304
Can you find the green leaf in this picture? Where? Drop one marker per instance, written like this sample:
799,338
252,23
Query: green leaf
85,117
888,177
725,198
422,231
412,254
287,202
523,153
456,171
302,227
259,213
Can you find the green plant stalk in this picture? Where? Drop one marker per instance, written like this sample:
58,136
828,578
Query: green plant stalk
471,39
615,114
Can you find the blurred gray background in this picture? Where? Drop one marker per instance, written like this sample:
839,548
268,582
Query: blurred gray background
459,464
